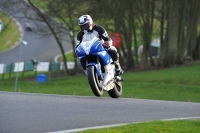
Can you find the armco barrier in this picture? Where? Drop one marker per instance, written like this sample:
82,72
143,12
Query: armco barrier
29,66
54,66
9,68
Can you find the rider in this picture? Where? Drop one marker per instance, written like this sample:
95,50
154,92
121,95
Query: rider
87,26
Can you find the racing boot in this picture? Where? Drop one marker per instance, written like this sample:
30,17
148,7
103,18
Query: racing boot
115,57
118,69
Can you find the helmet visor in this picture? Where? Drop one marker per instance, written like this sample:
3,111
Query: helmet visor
84,27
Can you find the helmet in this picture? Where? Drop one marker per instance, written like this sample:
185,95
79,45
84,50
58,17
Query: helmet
85,22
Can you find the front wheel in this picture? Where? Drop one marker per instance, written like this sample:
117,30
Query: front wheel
94,82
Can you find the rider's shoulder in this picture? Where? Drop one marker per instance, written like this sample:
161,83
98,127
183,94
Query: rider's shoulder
98,28
80,33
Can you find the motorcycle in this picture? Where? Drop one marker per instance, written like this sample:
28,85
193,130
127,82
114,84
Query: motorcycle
99,67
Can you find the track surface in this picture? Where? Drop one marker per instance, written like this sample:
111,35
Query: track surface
39,113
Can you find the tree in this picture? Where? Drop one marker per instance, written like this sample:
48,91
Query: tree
169,46
196,52
188,18
56,29
145,15
67,13
118,18
192,28
179,22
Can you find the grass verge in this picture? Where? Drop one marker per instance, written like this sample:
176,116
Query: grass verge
179,126
174,84
10,34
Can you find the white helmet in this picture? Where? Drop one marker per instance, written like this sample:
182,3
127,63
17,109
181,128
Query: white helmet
85,22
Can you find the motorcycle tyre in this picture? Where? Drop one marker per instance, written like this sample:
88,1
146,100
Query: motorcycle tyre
116,92
94,81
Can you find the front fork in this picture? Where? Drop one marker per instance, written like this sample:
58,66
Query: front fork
97,67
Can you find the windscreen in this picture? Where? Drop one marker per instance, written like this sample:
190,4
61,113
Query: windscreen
89,37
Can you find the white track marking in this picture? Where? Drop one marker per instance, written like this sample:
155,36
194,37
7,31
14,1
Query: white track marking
114,125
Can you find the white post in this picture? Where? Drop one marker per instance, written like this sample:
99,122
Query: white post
20,50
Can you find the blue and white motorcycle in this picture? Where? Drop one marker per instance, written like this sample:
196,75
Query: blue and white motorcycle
99,67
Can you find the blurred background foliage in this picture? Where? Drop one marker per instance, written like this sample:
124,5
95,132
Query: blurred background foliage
173,24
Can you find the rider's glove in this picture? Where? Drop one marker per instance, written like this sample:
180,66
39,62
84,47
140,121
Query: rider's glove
76,46
106,45
75,56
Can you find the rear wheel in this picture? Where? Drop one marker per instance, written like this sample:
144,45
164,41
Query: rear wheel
116,92
94,82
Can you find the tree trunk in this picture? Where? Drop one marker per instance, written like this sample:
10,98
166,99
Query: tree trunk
196,52
169,47
182,21
45,19
147,16
193,29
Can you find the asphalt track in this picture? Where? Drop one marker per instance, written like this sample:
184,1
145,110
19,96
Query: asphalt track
39,113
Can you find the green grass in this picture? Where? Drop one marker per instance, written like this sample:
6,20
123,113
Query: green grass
174,84
179,126
10,34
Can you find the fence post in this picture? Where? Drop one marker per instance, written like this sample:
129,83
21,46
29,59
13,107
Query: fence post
23,70
10,71
2,78
35,70
3,72
35,63
49,72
